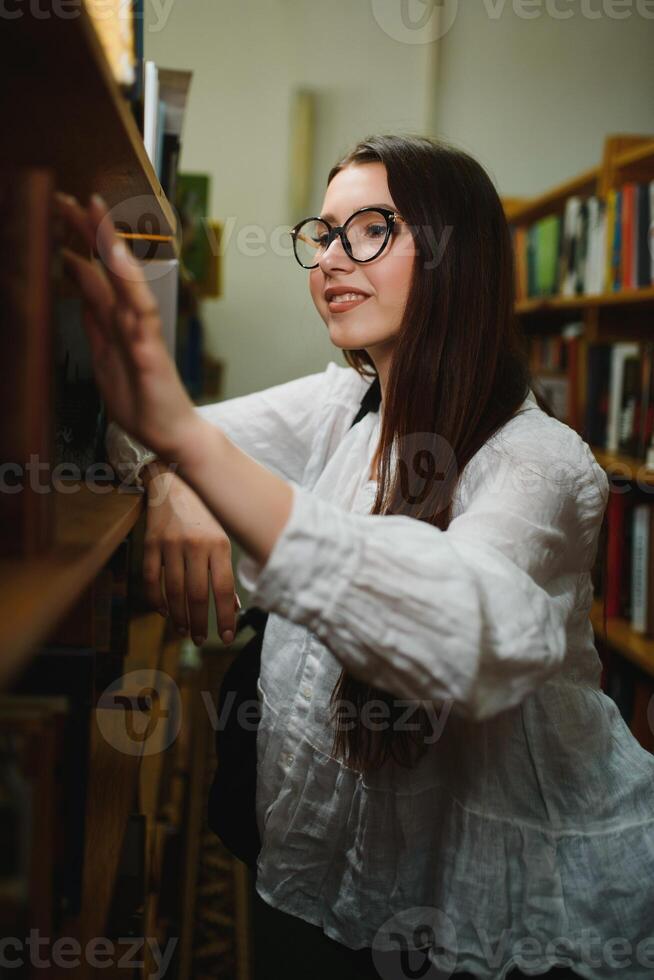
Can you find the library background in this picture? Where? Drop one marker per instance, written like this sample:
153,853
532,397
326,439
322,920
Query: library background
103,829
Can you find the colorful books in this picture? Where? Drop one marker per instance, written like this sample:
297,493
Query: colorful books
594,246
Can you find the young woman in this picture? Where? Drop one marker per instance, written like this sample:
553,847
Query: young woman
438,770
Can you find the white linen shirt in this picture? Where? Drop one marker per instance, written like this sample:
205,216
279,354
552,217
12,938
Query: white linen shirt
525,834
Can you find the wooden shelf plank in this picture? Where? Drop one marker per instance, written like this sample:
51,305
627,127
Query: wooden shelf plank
554,199
624,466
36,593
638,156
67,112
634,646
643,298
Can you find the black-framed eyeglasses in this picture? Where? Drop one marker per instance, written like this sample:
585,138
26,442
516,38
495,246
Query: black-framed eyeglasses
364,236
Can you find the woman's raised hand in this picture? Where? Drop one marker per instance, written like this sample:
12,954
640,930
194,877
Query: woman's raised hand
134,372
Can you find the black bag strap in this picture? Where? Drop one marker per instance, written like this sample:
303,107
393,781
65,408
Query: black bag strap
256,617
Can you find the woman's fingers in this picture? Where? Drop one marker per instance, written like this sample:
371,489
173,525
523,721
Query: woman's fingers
152,565
124,275
197,592
222,583
77,217
94,287
125,272
175,581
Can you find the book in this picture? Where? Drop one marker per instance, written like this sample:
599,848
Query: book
630,405
27,275
616,246
547,255
594,268
150,109
615,521
639,567
32,854
611,212
568,265
627,278
63,672
643,220
619,354
598,370
80,417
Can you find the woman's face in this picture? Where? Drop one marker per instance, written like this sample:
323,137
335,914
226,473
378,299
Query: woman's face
372,321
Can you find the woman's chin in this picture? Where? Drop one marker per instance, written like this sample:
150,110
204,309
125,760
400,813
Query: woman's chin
348,335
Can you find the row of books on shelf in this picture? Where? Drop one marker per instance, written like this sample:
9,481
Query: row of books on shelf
157,96
596,246
619,409
620,398
629,546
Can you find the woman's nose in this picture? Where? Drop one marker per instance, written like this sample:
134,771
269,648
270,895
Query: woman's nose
335,257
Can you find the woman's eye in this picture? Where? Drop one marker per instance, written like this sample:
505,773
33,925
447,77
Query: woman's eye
321,241
376,231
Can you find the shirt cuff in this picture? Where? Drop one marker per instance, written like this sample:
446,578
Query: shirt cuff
309,566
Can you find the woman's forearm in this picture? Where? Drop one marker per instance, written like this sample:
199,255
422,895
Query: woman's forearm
251,503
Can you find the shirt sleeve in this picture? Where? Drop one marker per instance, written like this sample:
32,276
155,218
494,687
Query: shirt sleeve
276,426
475,615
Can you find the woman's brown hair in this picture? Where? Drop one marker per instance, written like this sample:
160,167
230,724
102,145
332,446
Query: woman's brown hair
459,371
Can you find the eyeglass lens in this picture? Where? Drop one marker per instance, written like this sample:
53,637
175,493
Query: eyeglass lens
365,232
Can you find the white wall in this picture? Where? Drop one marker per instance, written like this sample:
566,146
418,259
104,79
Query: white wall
247,55
533,99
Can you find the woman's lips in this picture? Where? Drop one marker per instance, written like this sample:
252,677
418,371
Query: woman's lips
338,305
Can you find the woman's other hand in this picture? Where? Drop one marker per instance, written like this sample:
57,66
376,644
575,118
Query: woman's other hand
136,376
185,542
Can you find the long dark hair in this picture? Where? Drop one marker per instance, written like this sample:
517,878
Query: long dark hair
459,371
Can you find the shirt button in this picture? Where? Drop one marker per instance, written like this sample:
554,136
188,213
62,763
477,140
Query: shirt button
306,693
289,758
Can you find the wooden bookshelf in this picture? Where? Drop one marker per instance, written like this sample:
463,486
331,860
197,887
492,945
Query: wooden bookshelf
66,112
641,298
551,201
635,159
36,593
625,467
624,314
638,649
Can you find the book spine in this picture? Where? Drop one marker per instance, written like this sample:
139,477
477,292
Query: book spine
611,203
615,515
616,280
650,575
643,277
619,354
626,255
639,562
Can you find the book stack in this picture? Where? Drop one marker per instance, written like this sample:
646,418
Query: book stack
165,95
594,246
